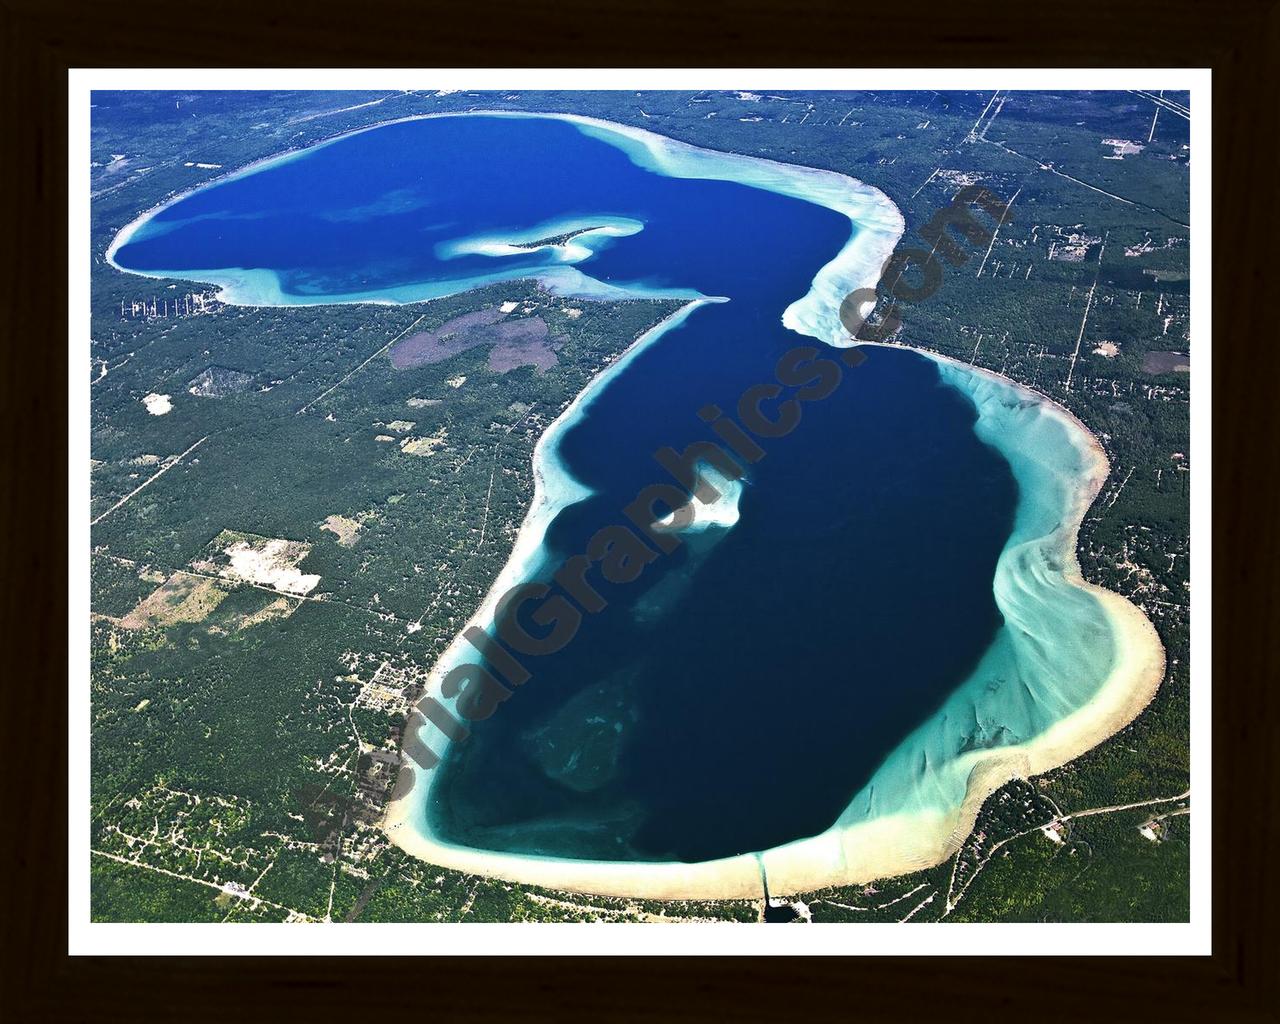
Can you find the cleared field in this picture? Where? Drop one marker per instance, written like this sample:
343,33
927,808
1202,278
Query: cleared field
181,598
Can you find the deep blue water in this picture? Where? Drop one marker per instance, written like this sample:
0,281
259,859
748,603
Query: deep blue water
747,686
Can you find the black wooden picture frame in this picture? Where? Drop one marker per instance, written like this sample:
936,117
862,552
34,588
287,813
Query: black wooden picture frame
1238,39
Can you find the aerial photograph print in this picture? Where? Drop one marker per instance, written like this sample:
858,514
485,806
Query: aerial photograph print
652,505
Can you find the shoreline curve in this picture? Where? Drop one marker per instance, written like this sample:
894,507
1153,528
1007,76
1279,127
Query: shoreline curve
894,844
846,853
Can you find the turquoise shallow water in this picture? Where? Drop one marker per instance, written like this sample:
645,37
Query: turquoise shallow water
1056,644
880,596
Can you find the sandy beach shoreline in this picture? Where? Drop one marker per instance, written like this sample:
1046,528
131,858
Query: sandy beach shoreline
886,846
817,315
849,852
553,489
899,844
878,226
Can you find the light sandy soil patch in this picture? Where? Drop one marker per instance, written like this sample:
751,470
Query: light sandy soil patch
263,561
421,403
1108,348
456,382
1121,148
384,438
401,426
346,530
218,382
157,405
145,460
423,445
181,598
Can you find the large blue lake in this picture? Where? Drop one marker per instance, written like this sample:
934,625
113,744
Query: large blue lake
742,691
